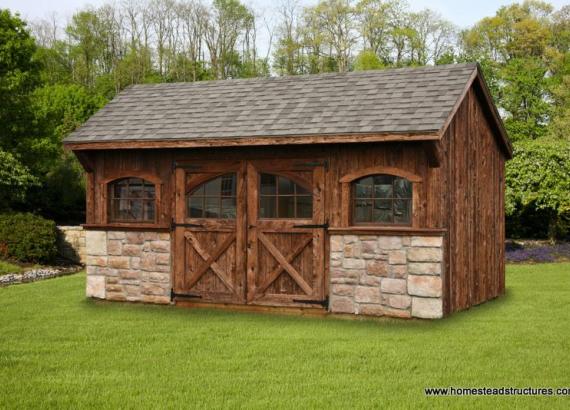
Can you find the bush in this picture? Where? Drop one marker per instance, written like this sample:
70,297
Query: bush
27,237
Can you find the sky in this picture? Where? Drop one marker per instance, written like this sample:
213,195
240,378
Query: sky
461,12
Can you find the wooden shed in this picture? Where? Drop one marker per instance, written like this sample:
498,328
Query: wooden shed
375,193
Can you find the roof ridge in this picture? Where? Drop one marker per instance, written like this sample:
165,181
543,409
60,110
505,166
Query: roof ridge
287,78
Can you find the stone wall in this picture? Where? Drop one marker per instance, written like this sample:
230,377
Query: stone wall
386,275
71,243
131,266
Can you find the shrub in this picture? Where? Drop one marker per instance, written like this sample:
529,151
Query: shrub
27,238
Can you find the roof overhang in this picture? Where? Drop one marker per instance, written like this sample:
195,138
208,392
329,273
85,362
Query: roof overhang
250,141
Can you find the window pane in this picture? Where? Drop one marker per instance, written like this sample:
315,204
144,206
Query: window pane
148,214
198,191
213,187
286,206
383,191
229,208
195,207
402,211
228,185
120,190
302,191
364,188
286,186
212,209
268,184
267,207
304,207
136,210
383,179
382,211
362,210
402,188
149,191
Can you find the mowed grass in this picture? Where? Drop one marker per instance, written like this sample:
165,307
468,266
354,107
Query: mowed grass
59,350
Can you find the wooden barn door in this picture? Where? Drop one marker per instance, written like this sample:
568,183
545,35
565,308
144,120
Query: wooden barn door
285,235
209,232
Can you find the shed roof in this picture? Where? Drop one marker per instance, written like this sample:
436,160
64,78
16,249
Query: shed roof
393,101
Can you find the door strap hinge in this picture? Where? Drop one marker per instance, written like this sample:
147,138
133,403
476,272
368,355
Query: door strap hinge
183,295
323,303
314,226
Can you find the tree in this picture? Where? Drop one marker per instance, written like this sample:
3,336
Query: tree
19,75
15,181
367,60
538,177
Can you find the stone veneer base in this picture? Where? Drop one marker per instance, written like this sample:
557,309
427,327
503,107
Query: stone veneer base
128,266
379,275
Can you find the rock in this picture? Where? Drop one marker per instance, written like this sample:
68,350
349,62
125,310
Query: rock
427,308
427,241
336,243
424,255
95,287
396,286
428,286
350,263
397,257
366,294
389,242
96,243
424,268
341,305
377,268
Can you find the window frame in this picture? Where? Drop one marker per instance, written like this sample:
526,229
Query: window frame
201,182
149,178
348,200
296,181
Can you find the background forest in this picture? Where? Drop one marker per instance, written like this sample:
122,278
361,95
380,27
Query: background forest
55,74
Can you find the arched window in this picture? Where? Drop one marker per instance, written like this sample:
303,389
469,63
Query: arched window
280,197
131,200
213,199
382,199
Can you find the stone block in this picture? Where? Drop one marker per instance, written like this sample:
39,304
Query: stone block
341,304
157,277
369,247
368,280
155,288
398,301
114,247
96,243
371,310
389,242
336,263
345,273
406,241
342,290
397,257
164,236
377,268
427,308
397,271
424,255
96,261
399,313
132,250
427,286
353,250
135,263
160,246
395,286
116,296
424,268
427,241
336,243
116,235
163,259
366,294
337,256
351,263
129,274
135,238
161,300
118,262
148,261
95,287
151,236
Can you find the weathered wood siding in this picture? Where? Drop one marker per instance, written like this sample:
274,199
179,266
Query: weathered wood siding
475,176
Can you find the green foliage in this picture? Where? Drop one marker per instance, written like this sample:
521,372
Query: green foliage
15,181
367,60
27,238
19,74
538,178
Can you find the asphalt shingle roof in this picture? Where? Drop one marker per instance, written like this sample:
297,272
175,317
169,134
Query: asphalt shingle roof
406,100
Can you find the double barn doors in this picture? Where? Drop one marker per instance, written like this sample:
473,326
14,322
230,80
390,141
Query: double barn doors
250,232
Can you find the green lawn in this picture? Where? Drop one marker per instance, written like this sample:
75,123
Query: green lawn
59,350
